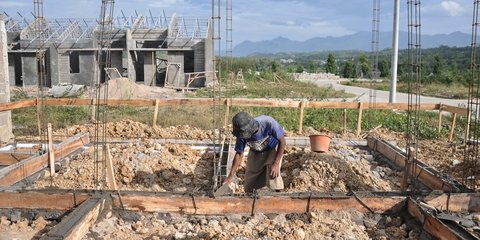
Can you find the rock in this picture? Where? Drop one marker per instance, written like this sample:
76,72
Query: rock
180,235
456,162
467,223
299,234
109,215
213,223
4,221
369,157
186,180
280,219
476,217
15,216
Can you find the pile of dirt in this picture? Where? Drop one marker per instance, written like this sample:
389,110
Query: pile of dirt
21,228
149,166
145,166
123,88
314,225
128,129
344,168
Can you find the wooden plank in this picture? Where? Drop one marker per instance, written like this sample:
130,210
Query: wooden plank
425,176
41,200
460,202
235,102
12,158
110,171
339,105
300,120
68,101
51,155
243,205
17,105
76,224
430,223
155,113
18,171
452,129
439,121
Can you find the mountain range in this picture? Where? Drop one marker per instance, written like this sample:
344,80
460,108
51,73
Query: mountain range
357,41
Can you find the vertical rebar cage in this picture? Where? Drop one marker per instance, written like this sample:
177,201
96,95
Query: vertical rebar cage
472,129
414,86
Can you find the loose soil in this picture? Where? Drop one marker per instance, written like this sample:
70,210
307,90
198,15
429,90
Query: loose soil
22,229
314,225
149,166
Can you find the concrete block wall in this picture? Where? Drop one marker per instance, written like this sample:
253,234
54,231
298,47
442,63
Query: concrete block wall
11,69
87,69
29,70
6,134
149,68
176,57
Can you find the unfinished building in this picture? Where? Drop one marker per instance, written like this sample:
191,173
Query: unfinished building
156,51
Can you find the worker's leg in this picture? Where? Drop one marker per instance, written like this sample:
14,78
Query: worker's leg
256,171
277,182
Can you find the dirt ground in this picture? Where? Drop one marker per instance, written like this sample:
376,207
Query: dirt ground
149,166
314,225
21,229
128,129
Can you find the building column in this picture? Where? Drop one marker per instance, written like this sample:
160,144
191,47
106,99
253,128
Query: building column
6,134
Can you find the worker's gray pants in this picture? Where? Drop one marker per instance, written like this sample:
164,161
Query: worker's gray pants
257,174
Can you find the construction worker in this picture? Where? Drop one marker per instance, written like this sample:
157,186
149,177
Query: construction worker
266,140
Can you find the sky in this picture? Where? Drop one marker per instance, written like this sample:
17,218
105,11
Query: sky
257,20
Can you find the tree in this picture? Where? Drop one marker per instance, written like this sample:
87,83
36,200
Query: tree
300,69
384,68
275,66
312,67
364,62
349,70
437,66
331,65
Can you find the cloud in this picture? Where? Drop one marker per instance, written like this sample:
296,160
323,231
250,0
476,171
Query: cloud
453,8
12,4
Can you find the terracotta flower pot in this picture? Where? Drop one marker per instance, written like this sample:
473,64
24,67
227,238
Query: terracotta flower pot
319,143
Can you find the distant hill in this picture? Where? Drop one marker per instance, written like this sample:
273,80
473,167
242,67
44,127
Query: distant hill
357,41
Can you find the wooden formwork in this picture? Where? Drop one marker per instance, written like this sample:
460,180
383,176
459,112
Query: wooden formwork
86,207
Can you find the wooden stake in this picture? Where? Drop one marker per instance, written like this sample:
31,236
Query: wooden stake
452,130
359,121
110,172
344,121
300,121
155,113
467,128
439,121
227,113
51,154
39,125
93,117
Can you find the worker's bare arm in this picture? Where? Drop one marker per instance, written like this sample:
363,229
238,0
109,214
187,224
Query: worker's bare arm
275,169
236,163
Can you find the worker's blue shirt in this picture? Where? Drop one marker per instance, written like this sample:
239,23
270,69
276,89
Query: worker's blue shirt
265,139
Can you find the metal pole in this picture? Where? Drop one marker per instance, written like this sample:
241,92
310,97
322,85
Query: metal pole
396,27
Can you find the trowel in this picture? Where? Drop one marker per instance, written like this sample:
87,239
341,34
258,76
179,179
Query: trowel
226,189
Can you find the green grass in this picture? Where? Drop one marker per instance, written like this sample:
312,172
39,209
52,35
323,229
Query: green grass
283,89
451,91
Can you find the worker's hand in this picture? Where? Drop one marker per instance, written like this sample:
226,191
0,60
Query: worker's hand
275,170
228,180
